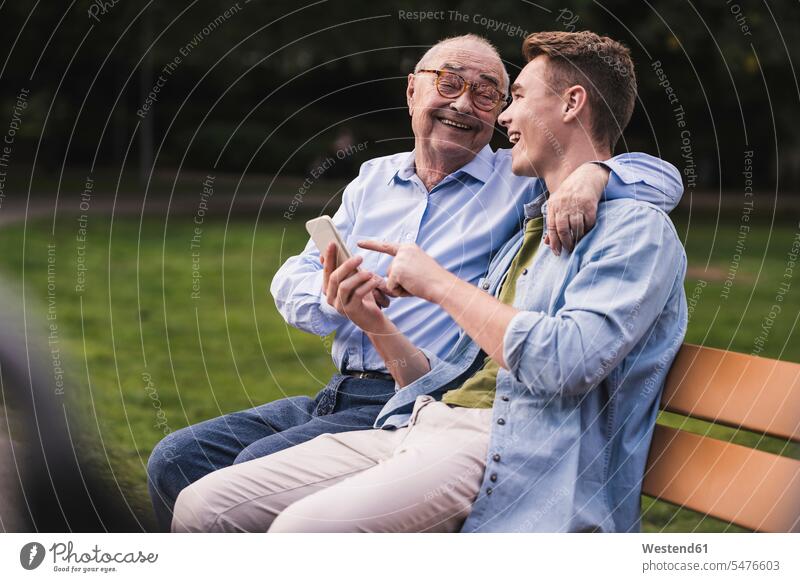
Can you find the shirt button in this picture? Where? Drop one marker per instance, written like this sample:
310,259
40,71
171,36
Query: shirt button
489,491
504,398
485,285
501,421
496,458
524,271
493,477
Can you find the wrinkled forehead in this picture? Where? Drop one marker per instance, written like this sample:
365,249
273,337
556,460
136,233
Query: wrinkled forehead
470,59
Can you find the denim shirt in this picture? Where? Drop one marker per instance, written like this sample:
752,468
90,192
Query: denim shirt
462,222
587,357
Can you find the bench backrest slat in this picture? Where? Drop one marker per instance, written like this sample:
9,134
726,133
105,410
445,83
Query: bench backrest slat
735,389
751,488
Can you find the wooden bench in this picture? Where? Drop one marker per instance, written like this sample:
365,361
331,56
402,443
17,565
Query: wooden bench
744,486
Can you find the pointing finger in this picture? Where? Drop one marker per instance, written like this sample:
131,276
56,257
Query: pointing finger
379,246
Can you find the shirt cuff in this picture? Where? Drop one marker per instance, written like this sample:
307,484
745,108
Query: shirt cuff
433,362
325,309
433,359
619,169
653,181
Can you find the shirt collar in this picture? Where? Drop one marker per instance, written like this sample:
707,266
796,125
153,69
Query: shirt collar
535,208
480,167
406,169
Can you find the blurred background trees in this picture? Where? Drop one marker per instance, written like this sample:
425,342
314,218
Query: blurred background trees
269,88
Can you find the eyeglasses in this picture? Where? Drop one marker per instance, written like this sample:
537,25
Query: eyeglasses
450,85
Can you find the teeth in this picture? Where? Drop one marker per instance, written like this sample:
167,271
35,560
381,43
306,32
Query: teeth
513,138
454,124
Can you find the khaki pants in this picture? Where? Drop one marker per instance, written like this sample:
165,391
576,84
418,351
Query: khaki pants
420,478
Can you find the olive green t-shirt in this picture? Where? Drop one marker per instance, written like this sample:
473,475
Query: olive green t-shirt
479,390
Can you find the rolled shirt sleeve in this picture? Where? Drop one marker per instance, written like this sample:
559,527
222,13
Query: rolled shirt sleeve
609,305
297,286
433,361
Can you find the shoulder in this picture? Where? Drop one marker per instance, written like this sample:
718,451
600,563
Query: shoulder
373,172
629,208
632,167
635,223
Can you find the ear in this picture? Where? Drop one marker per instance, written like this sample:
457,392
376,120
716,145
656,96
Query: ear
410,94
574,102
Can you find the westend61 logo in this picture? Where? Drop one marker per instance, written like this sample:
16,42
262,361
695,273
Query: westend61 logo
66,559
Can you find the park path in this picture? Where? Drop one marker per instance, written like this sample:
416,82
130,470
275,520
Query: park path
13,209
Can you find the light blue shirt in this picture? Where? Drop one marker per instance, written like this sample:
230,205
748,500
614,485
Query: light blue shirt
587,356
462,223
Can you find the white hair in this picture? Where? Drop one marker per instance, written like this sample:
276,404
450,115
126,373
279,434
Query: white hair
465,38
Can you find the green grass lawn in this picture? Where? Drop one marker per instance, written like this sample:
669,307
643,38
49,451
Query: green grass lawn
146,357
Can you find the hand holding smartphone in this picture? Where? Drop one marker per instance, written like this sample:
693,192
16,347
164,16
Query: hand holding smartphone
324,232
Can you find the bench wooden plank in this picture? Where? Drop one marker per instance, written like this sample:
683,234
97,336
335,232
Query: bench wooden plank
754,489
735,389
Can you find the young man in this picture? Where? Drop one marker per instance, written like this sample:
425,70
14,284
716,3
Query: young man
562,411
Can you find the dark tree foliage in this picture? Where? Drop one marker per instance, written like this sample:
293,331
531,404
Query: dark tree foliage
270,86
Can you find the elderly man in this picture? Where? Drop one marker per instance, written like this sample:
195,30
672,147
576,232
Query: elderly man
454,197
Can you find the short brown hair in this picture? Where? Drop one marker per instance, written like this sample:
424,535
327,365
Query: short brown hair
600,65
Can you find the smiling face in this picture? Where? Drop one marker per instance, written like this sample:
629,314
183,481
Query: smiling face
453,129
535,121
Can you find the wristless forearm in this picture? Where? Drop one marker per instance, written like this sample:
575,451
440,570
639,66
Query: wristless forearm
484,318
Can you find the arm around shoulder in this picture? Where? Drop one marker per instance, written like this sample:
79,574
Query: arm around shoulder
645,178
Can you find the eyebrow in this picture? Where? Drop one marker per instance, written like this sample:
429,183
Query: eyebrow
460,68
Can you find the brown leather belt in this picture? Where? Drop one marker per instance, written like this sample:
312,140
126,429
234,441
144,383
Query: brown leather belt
368,375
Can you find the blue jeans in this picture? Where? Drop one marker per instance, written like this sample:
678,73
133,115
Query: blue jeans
186,455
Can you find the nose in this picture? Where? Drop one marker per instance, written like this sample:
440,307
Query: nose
504,118
463,104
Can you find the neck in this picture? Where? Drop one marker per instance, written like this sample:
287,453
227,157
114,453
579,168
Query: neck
432,168
573,157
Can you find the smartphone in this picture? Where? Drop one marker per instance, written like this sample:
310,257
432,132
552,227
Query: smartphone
323,232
